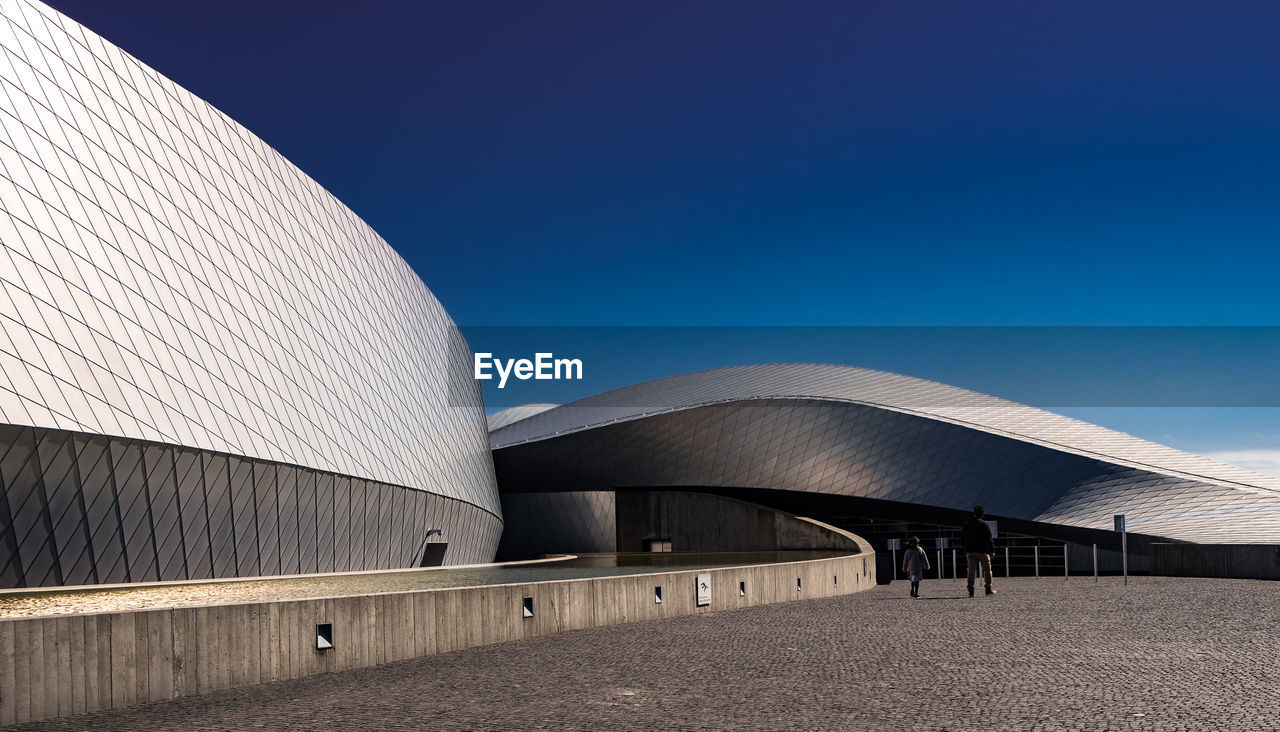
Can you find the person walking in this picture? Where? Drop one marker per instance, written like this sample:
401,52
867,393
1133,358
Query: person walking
914,562
979,549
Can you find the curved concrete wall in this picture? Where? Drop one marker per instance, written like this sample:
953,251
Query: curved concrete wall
628,521
71,664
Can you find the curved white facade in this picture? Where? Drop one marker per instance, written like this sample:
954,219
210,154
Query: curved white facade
510,415
168,277
873,435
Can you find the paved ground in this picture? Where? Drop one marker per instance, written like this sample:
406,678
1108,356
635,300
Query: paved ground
1160,654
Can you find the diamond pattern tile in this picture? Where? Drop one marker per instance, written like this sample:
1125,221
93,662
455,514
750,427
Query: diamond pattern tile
170,282
869,434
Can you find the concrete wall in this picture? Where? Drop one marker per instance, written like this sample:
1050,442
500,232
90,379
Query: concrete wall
59,666
798,532
1243,561
568,522
700,522
579,522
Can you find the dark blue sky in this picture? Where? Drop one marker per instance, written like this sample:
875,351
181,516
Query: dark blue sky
768,163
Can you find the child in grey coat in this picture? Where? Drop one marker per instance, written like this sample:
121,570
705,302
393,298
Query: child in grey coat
914,562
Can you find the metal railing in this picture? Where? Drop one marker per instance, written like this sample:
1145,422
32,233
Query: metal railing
1013,559
1036,560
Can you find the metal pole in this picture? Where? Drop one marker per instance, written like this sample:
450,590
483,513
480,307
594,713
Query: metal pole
1065,574
1037,560
894,552
1095,562
939,564
1124,554
954,567
1124,544
1006,562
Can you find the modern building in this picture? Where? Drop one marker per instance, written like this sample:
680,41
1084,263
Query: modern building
209,366
859,449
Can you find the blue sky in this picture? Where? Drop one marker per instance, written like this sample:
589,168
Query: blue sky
777,164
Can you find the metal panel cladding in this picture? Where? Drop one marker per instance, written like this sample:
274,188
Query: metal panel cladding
876,435
168,277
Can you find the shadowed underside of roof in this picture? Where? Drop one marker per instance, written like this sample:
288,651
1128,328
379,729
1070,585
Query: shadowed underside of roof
881,389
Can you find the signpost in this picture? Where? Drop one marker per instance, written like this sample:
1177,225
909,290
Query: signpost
894,546
944,543
704,589
1124,546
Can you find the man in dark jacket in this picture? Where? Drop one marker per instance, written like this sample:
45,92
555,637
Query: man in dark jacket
979,549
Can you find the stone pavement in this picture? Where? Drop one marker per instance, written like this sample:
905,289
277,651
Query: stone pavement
1159,654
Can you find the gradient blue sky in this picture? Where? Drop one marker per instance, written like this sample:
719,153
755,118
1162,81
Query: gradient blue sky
769,163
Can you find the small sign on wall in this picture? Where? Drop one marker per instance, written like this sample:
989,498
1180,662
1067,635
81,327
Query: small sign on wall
704,589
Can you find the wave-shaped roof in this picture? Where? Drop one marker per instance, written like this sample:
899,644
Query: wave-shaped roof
880,389
511,415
